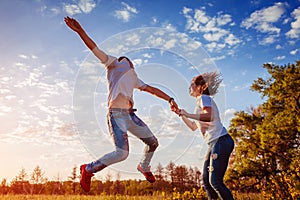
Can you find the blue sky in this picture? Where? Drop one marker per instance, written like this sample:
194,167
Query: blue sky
53,91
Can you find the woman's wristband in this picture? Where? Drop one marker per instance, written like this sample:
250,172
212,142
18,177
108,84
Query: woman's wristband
171,99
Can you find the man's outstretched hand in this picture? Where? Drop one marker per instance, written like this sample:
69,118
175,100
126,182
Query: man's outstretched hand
73,24
173,105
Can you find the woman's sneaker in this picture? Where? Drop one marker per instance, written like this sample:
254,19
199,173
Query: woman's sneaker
147,173
85,179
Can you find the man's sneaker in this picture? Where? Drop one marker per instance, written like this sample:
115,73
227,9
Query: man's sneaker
85,179
147,173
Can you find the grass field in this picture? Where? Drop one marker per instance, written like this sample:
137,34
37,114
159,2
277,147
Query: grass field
75,197
102,197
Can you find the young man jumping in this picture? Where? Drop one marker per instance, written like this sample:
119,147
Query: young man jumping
122,79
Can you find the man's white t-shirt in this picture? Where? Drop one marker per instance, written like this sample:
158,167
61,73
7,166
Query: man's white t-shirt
122,79
210,130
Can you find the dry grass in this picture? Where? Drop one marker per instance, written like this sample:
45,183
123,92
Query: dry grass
102,197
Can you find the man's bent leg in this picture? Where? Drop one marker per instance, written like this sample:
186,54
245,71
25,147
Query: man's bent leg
141,130
120,137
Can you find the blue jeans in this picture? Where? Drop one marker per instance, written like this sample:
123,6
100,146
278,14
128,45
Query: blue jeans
119,122
215,166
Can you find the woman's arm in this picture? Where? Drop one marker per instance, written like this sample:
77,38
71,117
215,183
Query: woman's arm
75,26
206,116
192,125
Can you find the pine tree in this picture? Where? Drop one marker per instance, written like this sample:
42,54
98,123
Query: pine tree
267,138
37,180
73,178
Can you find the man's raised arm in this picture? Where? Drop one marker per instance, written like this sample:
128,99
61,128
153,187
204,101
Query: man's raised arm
75,26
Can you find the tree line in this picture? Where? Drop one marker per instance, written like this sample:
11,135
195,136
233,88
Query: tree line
172,176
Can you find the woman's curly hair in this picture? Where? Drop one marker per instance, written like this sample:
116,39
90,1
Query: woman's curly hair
212,79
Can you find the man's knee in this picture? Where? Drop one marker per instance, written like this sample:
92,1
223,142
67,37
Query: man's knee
122,155
153,146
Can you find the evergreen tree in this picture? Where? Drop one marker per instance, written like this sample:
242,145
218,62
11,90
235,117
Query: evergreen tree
267,138
20,184
37,180
3,187
73,178
159,172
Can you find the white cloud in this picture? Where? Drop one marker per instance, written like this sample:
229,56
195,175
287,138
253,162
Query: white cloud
125,13
137,62
215,36
48,11
82,6
295,31
193,46
232,40
213,46
268,40
169,26
279,58
170,43
285,21
278,46
35,101
133,39
262,20
6,78
147,55
55,11
34,57
129,8
241,87
72,9
186,11
10,97
155,41
294,52
229,113
23,56
223,19
200,16
154,21
4,110
86,5
218,58
213,28
43,132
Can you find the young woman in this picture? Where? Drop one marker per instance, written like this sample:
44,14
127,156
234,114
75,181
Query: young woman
122,80
207,119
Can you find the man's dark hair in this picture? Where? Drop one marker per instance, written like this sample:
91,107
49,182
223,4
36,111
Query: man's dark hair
122,57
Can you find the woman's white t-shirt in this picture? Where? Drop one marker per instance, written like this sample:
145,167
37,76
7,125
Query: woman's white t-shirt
210,130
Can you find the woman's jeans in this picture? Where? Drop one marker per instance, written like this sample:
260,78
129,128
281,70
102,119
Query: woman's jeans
215,166
119,122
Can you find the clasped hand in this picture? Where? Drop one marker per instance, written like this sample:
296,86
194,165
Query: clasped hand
178,111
